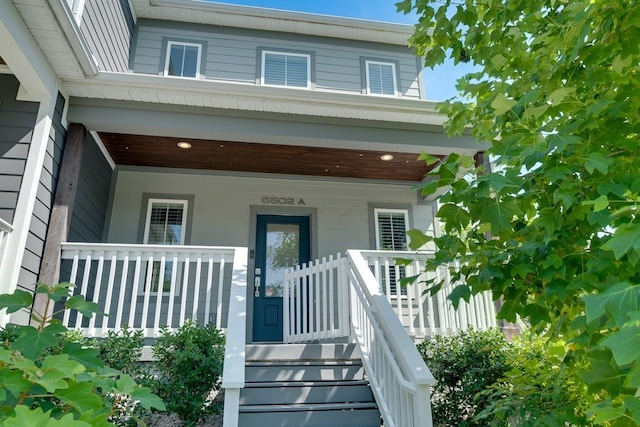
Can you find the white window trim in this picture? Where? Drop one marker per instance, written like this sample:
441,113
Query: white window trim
147,221
76,7
377,211
171,43
147,226
276,52
393,72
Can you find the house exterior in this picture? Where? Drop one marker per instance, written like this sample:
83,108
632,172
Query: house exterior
248,140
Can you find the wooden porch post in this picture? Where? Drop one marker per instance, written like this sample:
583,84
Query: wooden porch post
62,210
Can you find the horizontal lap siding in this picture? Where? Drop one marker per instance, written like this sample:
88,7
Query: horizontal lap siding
107,27
17,119
44,199
232,55
92,196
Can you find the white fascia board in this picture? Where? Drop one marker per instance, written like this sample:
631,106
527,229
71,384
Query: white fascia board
71,31
22,54
211,13
250,97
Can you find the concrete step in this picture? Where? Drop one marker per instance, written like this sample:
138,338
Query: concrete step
306,392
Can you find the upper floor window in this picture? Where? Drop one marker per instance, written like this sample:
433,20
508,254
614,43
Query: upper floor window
286,69
183,59
77,7
381,78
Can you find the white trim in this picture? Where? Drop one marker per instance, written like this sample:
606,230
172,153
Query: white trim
103,148
285,54
26,198
172,43
77,8
147,221
245,17
252,97
21,53
377,211
393,73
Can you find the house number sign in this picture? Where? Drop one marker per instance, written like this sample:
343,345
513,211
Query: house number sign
275,200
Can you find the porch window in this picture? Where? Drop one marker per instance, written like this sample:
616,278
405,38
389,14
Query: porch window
165,225
183,59
286,69
391,235
381,78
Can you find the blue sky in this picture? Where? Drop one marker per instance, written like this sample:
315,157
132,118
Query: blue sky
440,83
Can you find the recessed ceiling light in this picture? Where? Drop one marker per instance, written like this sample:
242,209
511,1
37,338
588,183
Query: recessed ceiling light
183,144
386,157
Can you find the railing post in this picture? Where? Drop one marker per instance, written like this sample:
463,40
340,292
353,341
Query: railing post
234,352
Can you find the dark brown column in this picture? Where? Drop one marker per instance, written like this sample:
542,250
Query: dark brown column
62,210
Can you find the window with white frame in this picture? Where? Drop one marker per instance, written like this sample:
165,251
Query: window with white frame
391,229
77,7
391,235
381,78
183,59
165,225
286,69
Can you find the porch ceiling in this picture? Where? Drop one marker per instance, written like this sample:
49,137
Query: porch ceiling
142,150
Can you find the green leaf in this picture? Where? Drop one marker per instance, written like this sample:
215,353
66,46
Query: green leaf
14,381
625,345
26,417
499,215
603,375
502,104
32,342
550,219
87,308
64,364
460,292
56,292
633,379
455,217
598,161
428,158
51,381
16,301
80,396
417,239
616,302
560,94
147,399
625,239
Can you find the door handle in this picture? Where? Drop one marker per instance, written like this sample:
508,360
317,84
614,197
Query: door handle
256,287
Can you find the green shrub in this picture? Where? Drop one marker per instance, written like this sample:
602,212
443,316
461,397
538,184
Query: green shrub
188,368
463,365
540,389
122,350
49,379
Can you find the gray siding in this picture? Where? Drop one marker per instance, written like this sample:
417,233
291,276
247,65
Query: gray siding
44,200
107,27
92,196
231,55
17,119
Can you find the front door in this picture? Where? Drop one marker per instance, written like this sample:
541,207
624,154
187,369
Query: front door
282,241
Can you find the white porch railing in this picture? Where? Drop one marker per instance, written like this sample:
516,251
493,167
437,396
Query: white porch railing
426,315
149,286
5,230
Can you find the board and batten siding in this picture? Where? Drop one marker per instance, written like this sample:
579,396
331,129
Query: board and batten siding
107,27
92,195
222,204
17,119
44,200
232,55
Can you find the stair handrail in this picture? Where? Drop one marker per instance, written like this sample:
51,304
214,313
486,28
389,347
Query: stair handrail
233,371
409,362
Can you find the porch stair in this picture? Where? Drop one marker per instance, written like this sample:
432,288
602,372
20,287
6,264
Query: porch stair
306,385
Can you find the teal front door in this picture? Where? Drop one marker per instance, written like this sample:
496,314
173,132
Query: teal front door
282,241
